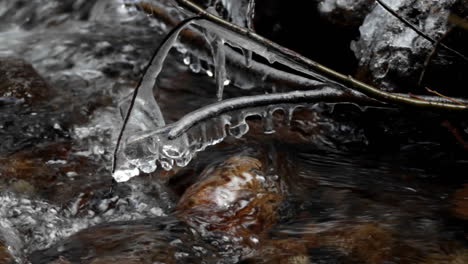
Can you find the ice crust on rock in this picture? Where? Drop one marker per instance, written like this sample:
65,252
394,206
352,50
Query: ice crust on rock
345,12
389,50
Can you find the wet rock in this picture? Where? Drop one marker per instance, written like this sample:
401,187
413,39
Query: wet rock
287,251
5,256
10,244
345,12
460,202
41,223
374,243
20,82
22,126
36,223
44,171
369,243
155,240
23,187
458,256
27,116
392,55
236,197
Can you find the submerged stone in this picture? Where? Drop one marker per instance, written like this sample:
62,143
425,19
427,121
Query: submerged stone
153,240
20,82
235,197
45,170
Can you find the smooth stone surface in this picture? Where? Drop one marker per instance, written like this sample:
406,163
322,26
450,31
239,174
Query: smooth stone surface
235,197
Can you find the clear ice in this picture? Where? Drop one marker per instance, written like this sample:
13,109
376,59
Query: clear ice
148,142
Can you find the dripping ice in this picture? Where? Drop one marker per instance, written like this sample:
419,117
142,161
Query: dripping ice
146,143
156,147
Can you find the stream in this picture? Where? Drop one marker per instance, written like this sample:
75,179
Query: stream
317,182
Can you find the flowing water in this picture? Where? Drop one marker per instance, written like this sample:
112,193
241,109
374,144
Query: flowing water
308,183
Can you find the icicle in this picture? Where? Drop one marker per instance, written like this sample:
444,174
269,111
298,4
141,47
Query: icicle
288,116
250,14
269,54
239,130
248,57
268,122
238,126
220,65
195,66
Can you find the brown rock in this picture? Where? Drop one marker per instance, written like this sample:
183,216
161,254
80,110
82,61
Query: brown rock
460,202
234,197
283,251
460,256
20,81
5,256
44,171
369,243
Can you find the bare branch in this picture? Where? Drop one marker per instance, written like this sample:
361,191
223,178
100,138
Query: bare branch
311,68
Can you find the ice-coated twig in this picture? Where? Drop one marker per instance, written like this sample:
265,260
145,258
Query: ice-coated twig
417,30
149,77
313,68
326,93
262,69
233,58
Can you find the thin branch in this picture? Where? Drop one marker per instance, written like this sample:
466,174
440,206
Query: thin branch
311,67
238,61
328,94
422,34
446,97
427,61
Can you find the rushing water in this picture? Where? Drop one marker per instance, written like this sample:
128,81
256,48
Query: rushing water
325,183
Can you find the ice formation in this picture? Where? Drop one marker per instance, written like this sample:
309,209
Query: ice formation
147,142
392,51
